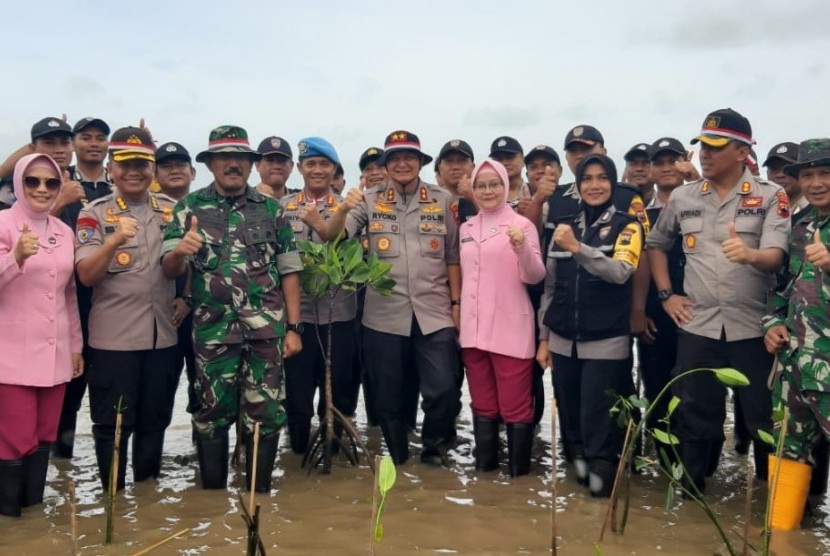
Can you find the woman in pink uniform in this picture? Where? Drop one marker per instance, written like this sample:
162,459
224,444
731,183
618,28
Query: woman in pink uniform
40,331
500,257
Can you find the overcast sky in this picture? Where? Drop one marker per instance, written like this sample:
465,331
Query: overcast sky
353,72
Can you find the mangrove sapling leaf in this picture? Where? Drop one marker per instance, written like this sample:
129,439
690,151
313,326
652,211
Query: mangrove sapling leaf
352,257
766,437
663,437
360,274
638,402
673,403
731,377
778,414
386,479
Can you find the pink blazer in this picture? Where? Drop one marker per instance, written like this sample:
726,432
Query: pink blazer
39,324
496,314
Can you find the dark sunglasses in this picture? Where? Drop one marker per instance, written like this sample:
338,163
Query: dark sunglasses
33,182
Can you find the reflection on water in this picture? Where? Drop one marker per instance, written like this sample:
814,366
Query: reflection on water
436,511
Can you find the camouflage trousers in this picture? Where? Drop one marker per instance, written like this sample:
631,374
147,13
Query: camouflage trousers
809,416
239,381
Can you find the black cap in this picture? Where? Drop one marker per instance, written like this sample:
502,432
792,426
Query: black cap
587,134
130,142
638,150
786,152
89,121
456,146
722,126
275,145
372,154
812,152
666,144
542,151
47,126
171,151
505,144
403,140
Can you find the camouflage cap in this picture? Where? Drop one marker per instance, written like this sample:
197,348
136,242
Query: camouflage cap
228,139
812,152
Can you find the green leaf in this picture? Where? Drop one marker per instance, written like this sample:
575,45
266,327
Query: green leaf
778,414
379,532
663,437
766,437
673,403
669,496
388,474
360,273
597,549
638,402
676,471
383,285
352,254
731,377
640,463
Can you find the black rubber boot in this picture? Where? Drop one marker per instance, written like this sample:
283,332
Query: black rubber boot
64,446
761,451
35,466
601,477
11,486
266,458
299,432
397,439
818,480
696,457
715,449
104,446
213,459
147,449
486,433
519,447
579,462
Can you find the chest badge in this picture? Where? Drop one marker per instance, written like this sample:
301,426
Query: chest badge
123,258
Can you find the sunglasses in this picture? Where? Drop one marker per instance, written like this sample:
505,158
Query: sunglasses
34,182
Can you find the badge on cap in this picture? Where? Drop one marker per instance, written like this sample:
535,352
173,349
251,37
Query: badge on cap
372,151
134,140
663,143
712,121
302,147
276,143
782,149
455,143
401,136
578,131
123,258
502,143
53,123
539,148
642,147
171,148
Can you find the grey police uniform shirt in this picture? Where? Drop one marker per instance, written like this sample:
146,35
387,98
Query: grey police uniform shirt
344,307
729,297
132,305
418,234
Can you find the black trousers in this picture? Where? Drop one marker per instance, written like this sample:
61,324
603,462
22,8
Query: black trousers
185,358
144,380
702,410
305,372
582,387
657,361
392,361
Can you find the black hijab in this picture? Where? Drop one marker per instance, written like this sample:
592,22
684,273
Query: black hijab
592,213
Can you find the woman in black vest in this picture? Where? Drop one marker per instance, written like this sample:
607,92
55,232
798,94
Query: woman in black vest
585,327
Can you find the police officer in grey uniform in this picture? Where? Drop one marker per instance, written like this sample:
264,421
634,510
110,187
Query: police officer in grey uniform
410,225
734,230
132,337
305,372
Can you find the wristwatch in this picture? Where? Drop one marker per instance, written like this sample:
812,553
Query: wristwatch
298,328
663,295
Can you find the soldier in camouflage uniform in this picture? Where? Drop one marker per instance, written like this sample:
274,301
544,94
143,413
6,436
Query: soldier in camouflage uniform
797,330
246,305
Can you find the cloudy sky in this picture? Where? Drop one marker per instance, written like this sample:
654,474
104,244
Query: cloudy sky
353,72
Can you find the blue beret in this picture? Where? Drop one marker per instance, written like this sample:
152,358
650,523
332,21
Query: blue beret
317,146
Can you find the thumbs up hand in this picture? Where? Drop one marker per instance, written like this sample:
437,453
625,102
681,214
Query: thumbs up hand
27,245
465,188
734,248
816,252
192,240
354,197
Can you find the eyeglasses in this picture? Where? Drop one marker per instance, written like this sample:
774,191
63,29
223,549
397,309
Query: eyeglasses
34,182
492,186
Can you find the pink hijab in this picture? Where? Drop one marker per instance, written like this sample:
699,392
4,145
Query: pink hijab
501,172
24,165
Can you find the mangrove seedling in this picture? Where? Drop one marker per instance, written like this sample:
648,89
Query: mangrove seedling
385,475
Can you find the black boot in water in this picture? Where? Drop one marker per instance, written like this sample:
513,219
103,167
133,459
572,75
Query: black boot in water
486,450
11,486
104,446
266,458
147,449
35,466
519,447
213,459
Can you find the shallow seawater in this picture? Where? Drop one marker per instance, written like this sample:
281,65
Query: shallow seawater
431,511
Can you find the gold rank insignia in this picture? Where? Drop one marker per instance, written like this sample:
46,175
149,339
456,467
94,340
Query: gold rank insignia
330,200
167,215
431,209
375,227
390,195
300,198
746,187
110,215
385,209
401,136
123,258
291,206
384,244
704,187
691,241
423,196
122,204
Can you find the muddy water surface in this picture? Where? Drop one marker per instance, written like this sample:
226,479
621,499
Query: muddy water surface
431,511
